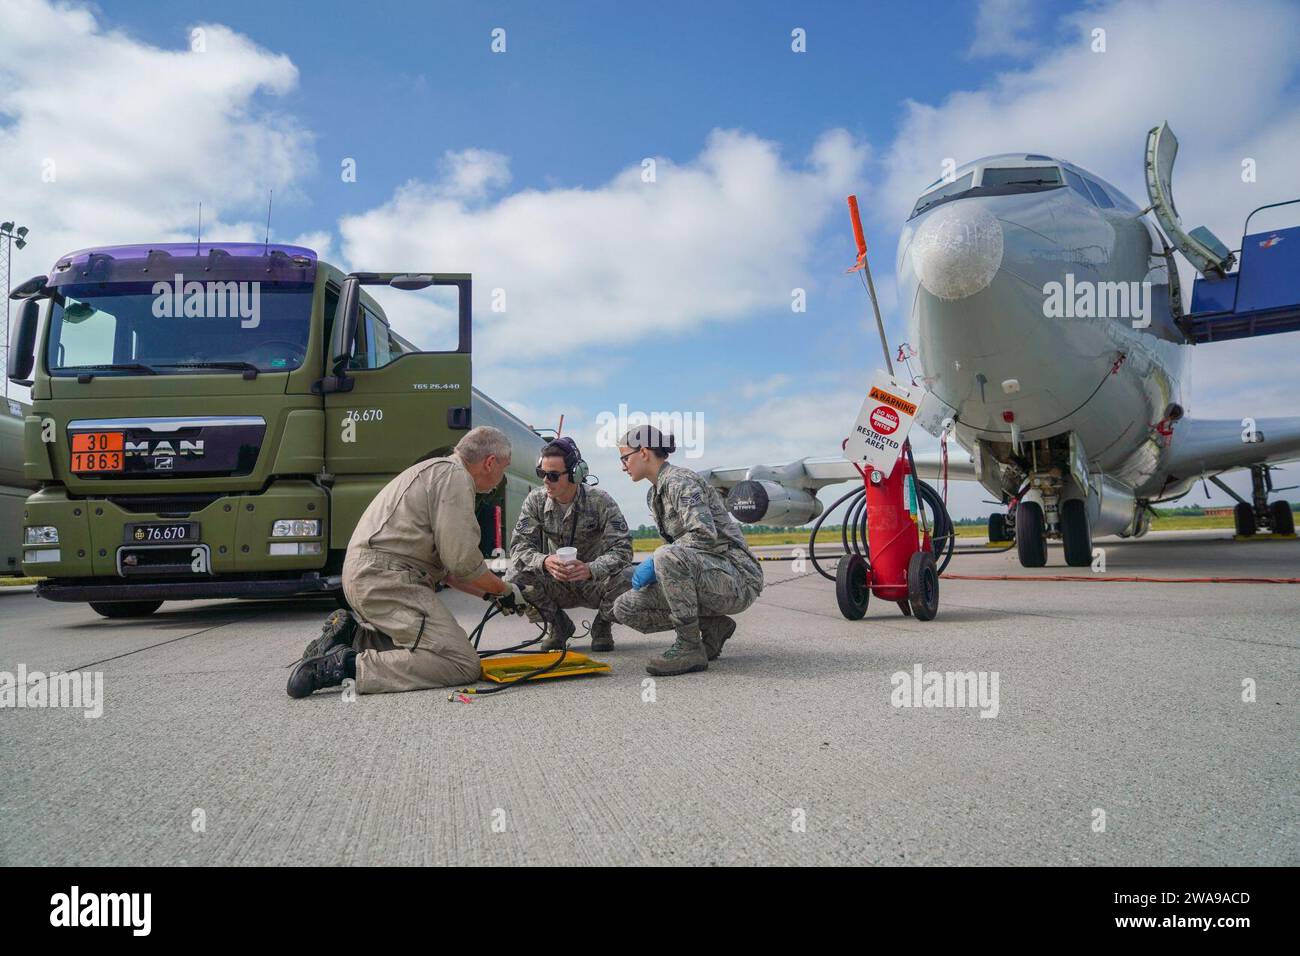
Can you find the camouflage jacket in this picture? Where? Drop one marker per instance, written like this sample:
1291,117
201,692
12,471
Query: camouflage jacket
593,524
690,511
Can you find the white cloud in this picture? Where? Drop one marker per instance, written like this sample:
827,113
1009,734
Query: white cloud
138,135
1003,28
714,239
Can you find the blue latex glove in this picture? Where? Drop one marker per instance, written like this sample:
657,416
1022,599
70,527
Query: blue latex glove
644,574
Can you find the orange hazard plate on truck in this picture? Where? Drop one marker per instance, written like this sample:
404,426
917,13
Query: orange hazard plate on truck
97,451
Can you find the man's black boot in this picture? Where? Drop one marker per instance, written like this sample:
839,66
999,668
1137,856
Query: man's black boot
311,675
338,631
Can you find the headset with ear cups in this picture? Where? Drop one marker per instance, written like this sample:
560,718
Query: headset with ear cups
573,461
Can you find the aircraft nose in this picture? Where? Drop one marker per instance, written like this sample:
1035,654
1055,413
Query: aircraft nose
957,250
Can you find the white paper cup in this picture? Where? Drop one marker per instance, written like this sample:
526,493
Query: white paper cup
567,554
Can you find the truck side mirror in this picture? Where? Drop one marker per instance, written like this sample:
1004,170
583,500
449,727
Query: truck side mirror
22,350
345,322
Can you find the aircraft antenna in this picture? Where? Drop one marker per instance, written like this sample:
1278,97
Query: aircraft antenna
267,244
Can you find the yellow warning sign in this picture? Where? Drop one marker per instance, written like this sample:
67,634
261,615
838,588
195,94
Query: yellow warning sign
902,404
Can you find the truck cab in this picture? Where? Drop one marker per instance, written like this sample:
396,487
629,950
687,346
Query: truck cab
210,421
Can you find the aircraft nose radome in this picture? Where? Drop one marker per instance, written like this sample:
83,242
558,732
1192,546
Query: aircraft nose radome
957,250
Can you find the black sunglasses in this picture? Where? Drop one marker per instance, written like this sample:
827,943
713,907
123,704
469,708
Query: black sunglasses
550,475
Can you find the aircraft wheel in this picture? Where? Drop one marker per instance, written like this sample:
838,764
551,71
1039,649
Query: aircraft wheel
115,609
852,590
1243,516
1076,536
923,586
998,528
1283,517
1031,535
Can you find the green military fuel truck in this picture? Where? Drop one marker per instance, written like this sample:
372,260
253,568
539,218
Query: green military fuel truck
14,487
210,421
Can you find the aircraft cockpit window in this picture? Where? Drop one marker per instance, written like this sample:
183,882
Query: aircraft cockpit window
1077,184
1030,177
1099,195
942,193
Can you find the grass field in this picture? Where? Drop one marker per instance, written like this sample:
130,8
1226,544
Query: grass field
800,536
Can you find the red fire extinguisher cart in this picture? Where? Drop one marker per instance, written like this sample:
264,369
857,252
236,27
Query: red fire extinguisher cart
899,563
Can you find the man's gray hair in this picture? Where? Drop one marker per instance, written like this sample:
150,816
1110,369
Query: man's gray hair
480,442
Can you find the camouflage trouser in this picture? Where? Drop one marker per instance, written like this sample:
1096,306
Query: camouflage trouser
543,590
689,585
406,638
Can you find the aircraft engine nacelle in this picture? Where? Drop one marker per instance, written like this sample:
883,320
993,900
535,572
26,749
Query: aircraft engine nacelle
766,502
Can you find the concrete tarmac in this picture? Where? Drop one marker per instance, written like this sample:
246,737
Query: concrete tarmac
1133,723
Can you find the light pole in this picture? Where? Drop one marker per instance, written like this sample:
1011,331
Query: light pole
12,237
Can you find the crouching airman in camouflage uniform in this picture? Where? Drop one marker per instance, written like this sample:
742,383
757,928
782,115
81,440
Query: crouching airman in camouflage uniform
705,573
567,513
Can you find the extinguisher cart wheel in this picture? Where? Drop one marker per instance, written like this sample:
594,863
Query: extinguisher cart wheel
852,589
923,585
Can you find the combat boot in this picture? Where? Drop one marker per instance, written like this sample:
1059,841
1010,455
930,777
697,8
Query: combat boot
559,628
715,631
316,672
686,655
602,635
338,631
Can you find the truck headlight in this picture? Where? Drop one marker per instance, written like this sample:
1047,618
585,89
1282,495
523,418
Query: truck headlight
41,534
295,528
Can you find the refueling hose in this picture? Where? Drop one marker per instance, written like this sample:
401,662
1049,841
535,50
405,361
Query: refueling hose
476,635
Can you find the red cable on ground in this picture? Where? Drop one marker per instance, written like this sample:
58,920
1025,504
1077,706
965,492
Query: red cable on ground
1103,578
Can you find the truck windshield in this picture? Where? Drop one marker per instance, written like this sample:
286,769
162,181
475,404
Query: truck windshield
141,328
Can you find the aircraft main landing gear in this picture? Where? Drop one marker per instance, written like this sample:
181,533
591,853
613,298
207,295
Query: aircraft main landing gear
1260,514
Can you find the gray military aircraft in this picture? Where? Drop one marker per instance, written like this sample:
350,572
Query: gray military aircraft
1050,326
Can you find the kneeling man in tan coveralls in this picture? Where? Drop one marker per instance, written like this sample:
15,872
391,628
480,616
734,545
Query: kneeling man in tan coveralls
418,532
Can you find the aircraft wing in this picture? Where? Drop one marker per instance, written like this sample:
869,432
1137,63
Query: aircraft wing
786,494
1209,447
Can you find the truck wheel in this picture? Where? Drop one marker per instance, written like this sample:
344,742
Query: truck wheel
1283,517
1243,516
852,591
923,586
1076,536
1031,536
125,608
998,528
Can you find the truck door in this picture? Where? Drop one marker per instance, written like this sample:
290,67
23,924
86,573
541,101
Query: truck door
387,404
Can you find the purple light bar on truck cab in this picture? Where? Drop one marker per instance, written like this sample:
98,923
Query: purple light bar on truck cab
250,261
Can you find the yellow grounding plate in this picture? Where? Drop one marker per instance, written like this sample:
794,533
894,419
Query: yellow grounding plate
507,670
1263,537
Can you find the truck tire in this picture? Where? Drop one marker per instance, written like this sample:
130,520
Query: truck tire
1031,535
998,528
114,609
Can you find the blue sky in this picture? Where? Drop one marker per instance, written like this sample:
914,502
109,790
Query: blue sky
648,306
